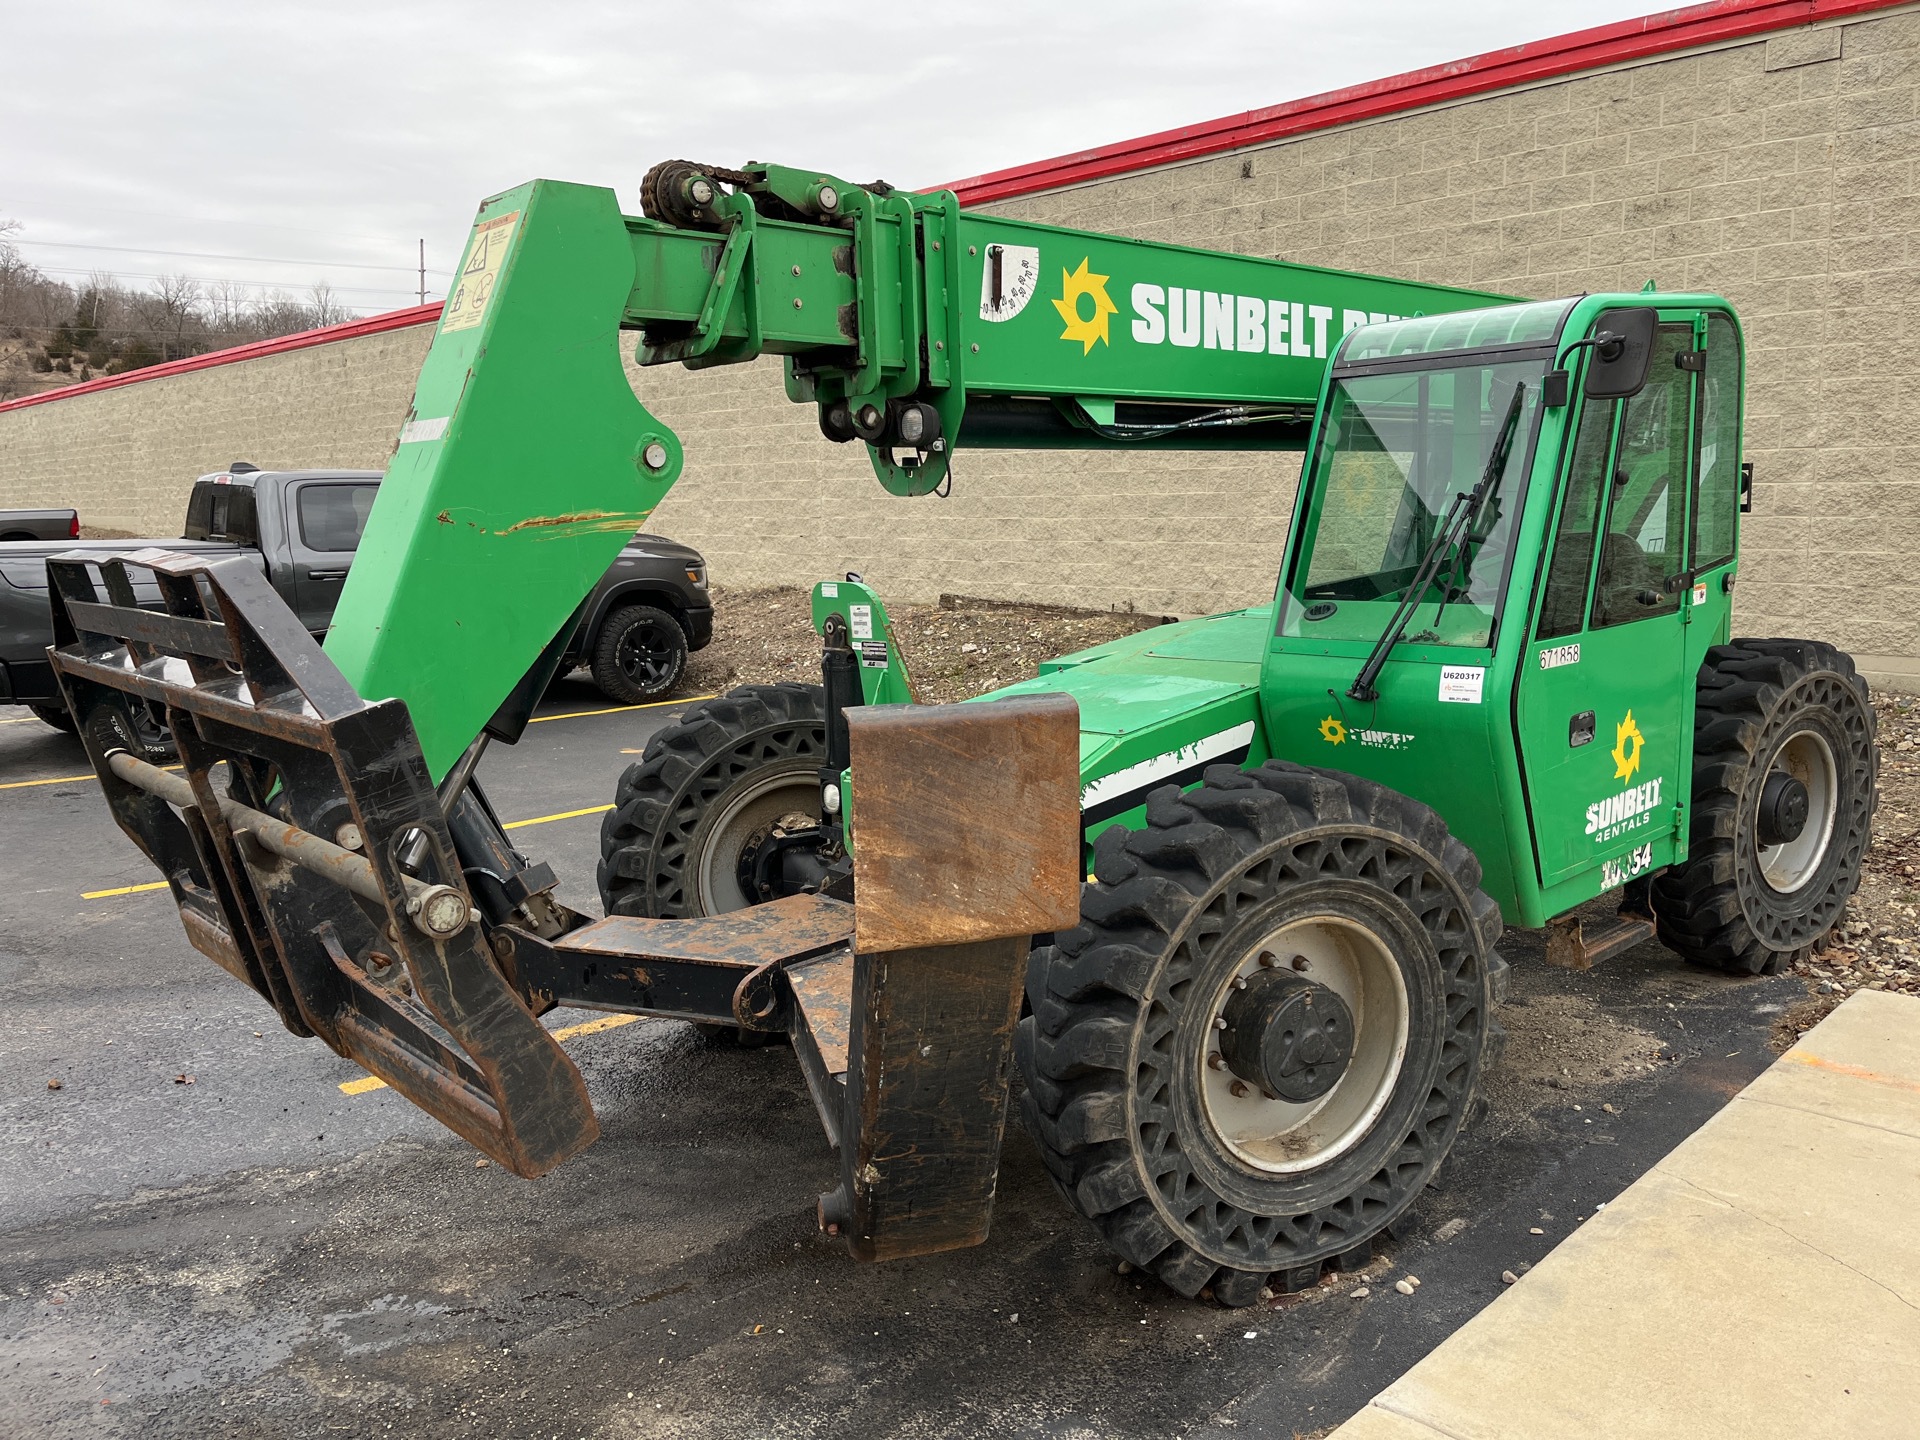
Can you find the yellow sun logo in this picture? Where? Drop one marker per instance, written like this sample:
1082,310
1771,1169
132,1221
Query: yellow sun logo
1076,286
1332,731
1628,742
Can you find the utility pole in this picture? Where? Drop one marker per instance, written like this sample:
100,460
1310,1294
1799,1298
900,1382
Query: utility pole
423,270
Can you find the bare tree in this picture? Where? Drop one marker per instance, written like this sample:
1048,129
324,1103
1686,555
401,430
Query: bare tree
326,309
68,332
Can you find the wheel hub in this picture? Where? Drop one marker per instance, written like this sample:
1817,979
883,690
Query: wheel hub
1305,1039
1287,1035
1797,809
1783,809
786,858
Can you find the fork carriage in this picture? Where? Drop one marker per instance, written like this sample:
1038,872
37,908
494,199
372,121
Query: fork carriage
312,857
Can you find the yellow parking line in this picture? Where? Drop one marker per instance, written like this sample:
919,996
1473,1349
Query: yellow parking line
563,815
566,1032
23,720
53,780
60,779
619,709
123,890
510,825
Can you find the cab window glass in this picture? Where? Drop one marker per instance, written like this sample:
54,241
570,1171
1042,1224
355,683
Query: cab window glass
1563,610
1396,452
1642,547
1716,513
332,517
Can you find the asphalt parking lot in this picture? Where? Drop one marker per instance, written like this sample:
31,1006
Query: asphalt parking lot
261,1252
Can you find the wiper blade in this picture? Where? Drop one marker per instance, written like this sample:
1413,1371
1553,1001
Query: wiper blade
1485,499
1458,522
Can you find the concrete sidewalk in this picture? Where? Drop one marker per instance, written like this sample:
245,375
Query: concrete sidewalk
1761,1280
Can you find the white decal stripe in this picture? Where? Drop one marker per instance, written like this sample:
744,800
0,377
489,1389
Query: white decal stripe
1120,782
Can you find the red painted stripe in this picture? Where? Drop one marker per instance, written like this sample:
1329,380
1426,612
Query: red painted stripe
1716,22
255,350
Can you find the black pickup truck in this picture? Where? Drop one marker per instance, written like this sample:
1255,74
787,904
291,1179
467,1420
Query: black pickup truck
649,610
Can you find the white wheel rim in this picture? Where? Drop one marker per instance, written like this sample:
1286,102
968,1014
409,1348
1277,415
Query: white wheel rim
1808,758
1280,1136
747,814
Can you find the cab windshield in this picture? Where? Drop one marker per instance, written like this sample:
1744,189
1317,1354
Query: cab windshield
1395,449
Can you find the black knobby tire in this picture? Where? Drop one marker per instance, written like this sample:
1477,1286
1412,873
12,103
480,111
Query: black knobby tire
1113,1051
673,808
124,723
1762,706
639,654
135,729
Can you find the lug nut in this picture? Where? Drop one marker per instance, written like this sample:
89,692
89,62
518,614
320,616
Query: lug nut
1239,1087
1239,982
1219,1022
1300,962
1268,960
1214,1062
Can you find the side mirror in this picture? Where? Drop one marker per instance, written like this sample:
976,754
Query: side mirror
1622,353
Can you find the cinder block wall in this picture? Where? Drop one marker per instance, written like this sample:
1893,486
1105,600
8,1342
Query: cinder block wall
126,457
1780,172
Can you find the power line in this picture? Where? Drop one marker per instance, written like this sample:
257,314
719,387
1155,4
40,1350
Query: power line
214,332
173,217
207,255
201,280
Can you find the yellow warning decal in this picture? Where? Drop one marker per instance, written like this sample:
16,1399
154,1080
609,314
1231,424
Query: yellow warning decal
486,255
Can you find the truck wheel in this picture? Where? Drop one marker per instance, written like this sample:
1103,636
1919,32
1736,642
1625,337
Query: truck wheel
1258,1046
639,654
711,784
57,716
1784,789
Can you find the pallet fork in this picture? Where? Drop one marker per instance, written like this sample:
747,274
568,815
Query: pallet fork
312,857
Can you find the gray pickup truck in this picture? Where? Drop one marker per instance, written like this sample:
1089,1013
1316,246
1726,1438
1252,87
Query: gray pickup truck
648,611
39,525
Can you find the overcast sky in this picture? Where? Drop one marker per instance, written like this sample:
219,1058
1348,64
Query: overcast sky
320,142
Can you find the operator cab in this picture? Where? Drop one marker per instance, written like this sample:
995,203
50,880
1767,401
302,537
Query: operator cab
1513,544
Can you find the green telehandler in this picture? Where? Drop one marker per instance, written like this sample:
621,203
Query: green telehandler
1227,891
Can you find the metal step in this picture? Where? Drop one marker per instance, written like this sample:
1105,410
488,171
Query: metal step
1574,946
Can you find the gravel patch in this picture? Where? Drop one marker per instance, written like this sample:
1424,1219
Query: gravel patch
954,650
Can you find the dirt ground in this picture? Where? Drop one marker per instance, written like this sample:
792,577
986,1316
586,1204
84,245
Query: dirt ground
963,647
958,648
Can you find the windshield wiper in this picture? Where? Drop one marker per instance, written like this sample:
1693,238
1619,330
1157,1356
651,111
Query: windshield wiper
1455,525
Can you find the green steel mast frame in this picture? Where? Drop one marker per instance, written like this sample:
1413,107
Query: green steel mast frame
911,326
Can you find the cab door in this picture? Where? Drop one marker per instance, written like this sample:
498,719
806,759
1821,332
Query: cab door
1604,693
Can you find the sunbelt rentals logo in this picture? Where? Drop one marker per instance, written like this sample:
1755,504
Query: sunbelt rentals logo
1085,306
1167,314
1634,807
1628,742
